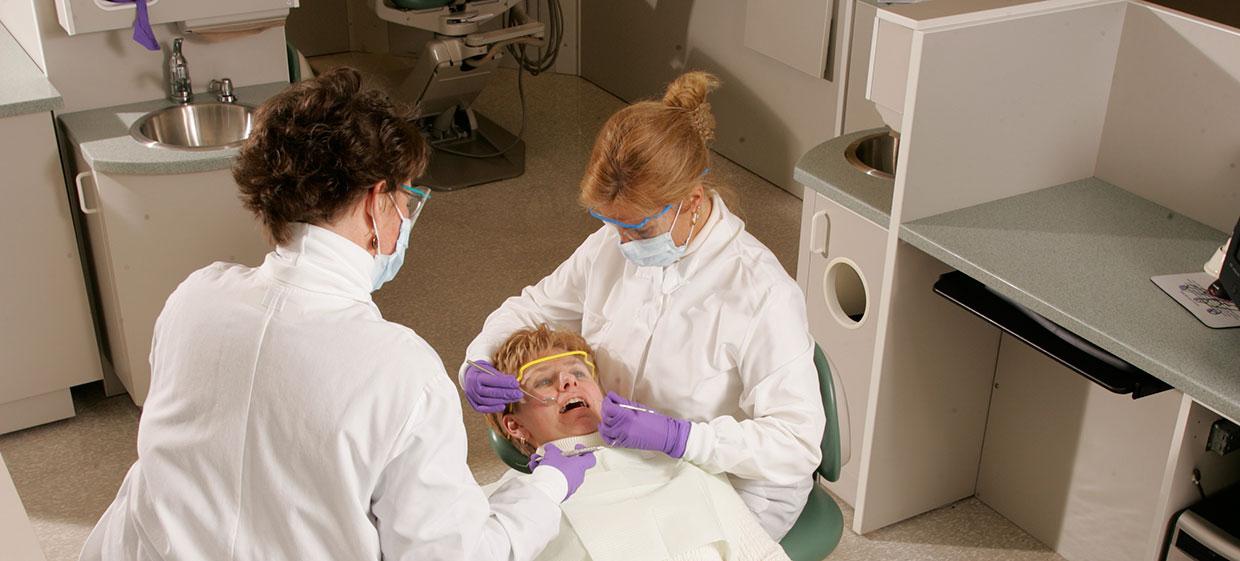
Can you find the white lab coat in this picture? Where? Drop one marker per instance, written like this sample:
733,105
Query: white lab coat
288,420
719,338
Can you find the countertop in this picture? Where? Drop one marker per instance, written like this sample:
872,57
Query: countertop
24,88
103,135
825,170
1082,254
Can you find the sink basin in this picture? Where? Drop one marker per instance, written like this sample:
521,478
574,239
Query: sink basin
195,126
875,155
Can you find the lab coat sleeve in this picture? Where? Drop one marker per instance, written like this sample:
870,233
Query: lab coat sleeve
556,300
781,441
427,504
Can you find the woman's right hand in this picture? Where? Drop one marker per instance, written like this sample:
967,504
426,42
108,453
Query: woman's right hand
489,392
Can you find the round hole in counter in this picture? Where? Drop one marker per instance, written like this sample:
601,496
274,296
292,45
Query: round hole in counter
846,292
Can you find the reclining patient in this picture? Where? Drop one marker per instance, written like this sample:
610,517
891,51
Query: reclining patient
633,505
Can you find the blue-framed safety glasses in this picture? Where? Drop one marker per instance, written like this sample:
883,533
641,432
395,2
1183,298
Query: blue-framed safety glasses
634,226
419,196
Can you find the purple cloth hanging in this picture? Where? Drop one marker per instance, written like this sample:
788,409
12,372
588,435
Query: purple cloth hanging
142,33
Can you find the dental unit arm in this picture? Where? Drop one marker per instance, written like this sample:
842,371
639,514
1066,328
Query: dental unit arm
450,73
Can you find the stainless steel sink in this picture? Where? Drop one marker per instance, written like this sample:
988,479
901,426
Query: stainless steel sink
195,126
875,154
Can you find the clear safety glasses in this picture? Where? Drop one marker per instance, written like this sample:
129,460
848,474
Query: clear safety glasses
418,197
544,381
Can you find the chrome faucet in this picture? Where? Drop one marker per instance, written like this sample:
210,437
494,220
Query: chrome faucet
179,88
223,90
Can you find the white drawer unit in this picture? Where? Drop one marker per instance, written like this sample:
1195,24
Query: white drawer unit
86,16
48,345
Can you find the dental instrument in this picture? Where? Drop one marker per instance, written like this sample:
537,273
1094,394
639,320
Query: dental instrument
580,451
634,408
545,400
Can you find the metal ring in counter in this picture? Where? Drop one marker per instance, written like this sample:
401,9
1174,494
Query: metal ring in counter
107,146
826,170
24,89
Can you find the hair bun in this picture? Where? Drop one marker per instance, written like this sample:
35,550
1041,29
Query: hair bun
688,92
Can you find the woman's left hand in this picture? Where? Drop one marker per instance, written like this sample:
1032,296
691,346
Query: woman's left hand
624,426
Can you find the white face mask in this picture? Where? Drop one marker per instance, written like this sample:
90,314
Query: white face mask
661,250
386,266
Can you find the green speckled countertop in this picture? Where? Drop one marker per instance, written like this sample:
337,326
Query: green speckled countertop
825,170
23,89
1082,254
107,147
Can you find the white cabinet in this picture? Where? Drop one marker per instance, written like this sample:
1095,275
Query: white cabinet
149,232
802,42
843,253
1076,466
47,344
16,533
85,16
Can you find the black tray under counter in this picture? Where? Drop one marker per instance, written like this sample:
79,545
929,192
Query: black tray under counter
1070,350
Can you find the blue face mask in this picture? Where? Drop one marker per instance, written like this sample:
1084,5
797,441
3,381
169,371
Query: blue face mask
386,266
659,251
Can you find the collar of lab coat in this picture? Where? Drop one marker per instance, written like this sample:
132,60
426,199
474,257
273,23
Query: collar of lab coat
720,228
320,260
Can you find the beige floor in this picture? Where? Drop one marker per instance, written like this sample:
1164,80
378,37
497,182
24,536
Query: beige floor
470,250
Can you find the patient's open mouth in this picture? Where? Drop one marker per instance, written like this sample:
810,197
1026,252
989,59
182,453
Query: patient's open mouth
573,404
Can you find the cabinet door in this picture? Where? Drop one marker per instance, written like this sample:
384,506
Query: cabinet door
85,16
844,267
157,230
48,342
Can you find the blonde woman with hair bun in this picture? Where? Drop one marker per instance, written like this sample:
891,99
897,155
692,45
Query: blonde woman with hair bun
693,320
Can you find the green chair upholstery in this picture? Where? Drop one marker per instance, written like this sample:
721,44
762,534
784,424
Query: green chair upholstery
819,528
817,531
507,452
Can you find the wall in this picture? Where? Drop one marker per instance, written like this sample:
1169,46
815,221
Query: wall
107,68
768,113
1171,121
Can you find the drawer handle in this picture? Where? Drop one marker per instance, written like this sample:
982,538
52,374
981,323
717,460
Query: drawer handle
82,196
820,233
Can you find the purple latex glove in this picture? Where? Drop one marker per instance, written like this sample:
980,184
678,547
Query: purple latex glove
487,392
142,33
642,430
573,467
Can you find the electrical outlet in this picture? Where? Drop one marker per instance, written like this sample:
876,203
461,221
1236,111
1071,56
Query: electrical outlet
1224,437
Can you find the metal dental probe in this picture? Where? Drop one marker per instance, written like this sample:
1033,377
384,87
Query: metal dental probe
634,408
580,451
489,371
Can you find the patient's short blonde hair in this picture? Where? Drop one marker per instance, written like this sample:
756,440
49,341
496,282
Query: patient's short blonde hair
524,346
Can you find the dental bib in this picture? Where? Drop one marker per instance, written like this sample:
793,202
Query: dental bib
644,506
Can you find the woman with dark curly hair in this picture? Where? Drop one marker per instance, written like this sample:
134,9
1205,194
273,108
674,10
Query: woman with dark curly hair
286,418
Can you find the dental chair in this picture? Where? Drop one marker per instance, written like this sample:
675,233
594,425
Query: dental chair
451,70
819,528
